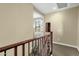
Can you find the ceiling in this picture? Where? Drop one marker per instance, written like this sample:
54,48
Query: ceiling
46,8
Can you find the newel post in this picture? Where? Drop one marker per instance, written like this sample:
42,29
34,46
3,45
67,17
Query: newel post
51,33
48,29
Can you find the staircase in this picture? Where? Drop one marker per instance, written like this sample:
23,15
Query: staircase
41,46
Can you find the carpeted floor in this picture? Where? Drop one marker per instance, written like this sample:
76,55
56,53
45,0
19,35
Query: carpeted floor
60,50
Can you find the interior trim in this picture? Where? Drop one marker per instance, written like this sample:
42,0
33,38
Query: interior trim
59,43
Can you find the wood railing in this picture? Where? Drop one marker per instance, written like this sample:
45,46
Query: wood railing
41,46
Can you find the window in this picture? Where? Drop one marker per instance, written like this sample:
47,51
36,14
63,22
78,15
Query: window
38,24
38,27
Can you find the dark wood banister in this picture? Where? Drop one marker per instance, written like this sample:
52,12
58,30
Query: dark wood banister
15,45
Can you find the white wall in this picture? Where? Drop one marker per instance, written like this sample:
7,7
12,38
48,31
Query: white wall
64,26
16,23
36,14
78,30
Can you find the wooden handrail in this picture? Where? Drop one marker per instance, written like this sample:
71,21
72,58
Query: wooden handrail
15,45
18,44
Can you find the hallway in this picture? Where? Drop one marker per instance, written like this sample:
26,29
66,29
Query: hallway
60,50
35,26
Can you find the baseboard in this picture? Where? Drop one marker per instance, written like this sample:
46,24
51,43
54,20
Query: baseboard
59,43
67,45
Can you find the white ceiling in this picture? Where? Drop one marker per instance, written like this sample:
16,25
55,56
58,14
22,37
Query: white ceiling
46,8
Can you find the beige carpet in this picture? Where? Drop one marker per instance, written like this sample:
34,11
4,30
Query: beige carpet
60,50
